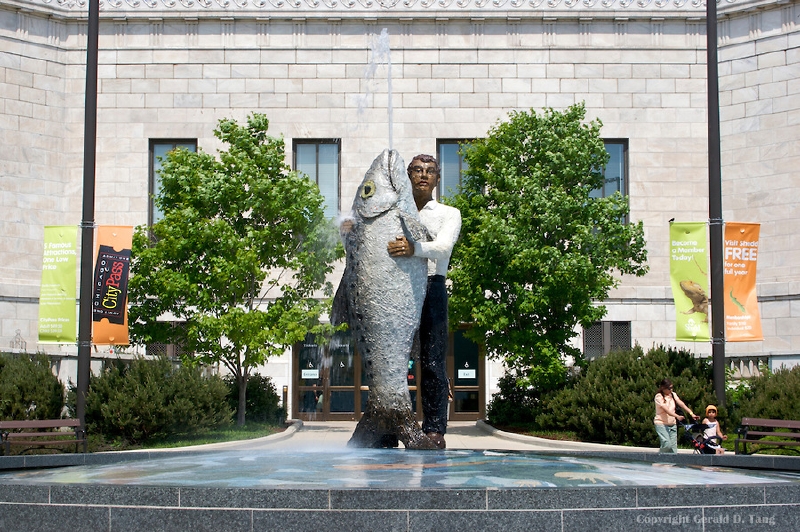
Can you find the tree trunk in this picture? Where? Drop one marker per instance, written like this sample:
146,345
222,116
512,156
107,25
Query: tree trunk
241,380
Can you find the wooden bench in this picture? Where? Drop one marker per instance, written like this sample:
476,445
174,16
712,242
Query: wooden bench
30,433
753,430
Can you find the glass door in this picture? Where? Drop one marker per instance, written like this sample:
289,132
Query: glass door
330,382
465,367
309,398
326,380
340,396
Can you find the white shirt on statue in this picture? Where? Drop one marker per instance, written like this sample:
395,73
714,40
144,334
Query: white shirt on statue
444,225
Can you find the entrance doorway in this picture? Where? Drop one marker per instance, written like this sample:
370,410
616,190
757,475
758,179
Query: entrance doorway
330,384
327,380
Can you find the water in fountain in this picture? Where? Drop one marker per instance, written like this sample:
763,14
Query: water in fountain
379,54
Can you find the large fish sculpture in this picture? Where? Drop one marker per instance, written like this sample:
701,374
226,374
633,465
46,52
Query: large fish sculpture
380,298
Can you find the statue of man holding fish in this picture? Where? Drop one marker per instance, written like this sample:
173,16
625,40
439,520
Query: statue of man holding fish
382,294
444,225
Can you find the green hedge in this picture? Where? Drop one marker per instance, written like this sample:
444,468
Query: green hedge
151,399
261,399
28,388
611,401
770,395
515,404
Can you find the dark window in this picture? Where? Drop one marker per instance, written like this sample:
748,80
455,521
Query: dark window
452,166
616,171
158,151
319,160
606,336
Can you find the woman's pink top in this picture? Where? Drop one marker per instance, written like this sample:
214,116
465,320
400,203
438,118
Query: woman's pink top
665,409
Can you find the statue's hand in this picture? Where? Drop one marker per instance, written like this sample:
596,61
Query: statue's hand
400,247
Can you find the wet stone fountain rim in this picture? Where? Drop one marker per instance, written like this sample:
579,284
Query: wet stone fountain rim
115,507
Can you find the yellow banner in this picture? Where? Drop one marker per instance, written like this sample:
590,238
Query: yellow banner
110,288
742,319
57,310
688,271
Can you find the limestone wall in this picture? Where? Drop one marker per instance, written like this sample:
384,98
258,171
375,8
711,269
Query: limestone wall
173,72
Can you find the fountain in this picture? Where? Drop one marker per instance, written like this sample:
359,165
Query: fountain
274,484
282,487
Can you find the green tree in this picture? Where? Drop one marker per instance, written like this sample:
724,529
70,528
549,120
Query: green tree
28,388
770,395
242,249
536,250
613,400
146,399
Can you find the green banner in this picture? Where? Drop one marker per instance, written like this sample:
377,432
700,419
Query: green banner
688,271
57,308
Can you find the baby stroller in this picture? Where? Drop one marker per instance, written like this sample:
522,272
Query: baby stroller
695,433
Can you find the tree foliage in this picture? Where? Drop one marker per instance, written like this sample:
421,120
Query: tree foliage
28,388
242,249
262,399
537,250
149,399
770,396
613,401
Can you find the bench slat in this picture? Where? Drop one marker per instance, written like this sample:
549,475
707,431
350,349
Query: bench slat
777,434
15,435
45,442
774,423
40,424
768,442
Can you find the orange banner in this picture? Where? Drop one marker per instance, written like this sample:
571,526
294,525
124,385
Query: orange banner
110,289
742,319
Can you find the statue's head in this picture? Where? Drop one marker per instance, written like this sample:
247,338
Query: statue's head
424,160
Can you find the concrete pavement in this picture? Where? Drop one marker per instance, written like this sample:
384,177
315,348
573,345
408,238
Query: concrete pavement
331,435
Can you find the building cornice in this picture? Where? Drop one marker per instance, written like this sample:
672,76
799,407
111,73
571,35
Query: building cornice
394,8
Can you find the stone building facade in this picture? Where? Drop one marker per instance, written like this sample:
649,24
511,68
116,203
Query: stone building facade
169,70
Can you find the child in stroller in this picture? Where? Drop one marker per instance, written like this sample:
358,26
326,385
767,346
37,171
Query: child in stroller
706,437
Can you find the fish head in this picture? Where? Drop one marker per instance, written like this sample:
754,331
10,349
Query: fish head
385,186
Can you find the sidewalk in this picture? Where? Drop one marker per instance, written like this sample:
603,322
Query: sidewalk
330,435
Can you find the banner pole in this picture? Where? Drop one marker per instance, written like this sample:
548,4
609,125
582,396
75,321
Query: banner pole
87,220
715,222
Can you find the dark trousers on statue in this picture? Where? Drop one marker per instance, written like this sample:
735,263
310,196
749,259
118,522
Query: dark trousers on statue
433,339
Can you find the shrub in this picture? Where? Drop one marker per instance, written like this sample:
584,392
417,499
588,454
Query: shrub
28,388
261,399
149,399
771,395
613,401
517,403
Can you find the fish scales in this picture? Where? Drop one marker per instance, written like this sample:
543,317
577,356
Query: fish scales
381,297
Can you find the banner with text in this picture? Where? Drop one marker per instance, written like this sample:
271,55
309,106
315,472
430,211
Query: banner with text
57,301
688,269
742,319
110,289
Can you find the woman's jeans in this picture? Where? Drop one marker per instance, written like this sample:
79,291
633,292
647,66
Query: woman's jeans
668,436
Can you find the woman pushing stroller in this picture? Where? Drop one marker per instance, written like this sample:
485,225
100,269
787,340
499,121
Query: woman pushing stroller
665,421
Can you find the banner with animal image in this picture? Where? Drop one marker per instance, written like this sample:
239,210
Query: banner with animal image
688,269
742,319
110,288
57,302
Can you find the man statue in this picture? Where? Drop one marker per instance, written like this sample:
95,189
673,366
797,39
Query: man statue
444,225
